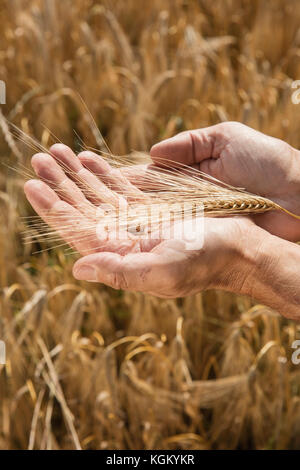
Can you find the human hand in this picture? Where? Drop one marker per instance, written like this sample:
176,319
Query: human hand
165,268
243,157
236,256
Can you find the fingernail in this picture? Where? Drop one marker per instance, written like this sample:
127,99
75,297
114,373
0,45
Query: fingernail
86,273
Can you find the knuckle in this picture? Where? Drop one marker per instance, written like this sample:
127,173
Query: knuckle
236,125
230,125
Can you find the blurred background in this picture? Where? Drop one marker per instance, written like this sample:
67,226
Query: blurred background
93,368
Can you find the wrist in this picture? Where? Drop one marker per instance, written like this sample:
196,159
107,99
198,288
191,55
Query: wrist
290,197
243,257
265,267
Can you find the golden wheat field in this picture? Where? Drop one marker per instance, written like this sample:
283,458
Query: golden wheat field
89,367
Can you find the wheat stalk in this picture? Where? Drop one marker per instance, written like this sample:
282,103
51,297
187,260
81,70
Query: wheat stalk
176,182
8,136
170,189
167,188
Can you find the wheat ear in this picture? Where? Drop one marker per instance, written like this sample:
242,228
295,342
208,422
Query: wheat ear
164,185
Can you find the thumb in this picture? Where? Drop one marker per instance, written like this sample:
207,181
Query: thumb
188,147
135,271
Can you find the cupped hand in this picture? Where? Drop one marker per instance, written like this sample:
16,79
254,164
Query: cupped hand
67,196
243,157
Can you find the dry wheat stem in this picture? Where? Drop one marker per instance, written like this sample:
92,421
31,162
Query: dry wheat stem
164,187
215,198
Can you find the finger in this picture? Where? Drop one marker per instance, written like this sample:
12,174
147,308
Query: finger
78,231
145,177
152,272
135,271
136,174
114,178
95,190
188,147
49,171
86,235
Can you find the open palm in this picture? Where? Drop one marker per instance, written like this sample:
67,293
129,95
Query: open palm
68,195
